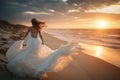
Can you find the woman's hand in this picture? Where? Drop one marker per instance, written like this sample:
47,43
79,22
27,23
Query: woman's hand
24,44
42,43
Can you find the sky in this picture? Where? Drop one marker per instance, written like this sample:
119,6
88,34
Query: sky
62,13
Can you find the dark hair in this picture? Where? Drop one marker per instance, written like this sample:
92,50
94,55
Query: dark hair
36,22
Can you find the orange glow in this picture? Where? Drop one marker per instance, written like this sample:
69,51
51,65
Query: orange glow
101,24
98,51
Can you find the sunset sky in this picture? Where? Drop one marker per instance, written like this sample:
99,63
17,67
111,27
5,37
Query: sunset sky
63,13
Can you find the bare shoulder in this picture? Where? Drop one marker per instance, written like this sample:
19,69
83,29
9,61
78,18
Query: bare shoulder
30,28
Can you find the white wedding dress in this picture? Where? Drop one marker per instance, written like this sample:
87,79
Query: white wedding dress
34,59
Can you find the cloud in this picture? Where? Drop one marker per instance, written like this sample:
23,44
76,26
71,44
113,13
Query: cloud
36,13
92,4
17,4
83,20
73,10
109,9
64,0
51,10
11,9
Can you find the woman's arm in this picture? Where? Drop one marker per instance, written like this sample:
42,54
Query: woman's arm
41,37
24,44
26,34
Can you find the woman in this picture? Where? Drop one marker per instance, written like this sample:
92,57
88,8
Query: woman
34,58
36,29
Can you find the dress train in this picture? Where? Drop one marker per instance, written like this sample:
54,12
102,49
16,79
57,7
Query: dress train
34,59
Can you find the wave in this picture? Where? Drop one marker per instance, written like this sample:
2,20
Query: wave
103,38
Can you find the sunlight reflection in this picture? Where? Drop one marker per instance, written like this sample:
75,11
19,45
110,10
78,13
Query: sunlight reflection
98,51
62,62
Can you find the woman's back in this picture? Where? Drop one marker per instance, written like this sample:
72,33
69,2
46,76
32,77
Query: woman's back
34,32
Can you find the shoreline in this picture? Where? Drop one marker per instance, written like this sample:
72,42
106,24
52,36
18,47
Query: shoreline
86,67
51,41
102,52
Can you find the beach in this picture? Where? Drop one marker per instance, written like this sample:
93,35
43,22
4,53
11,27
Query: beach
82,66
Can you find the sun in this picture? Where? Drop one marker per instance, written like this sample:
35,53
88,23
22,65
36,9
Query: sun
102,24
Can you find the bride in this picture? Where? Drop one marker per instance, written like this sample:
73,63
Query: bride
31,57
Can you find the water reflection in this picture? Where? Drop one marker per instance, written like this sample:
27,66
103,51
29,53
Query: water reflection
105,53
98,51
92,49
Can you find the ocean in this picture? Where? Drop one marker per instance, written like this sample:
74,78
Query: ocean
100,43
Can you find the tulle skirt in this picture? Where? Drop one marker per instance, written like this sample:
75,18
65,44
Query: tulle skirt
34,59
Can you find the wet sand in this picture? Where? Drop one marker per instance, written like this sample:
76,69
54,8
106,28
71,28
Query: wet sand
84,67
